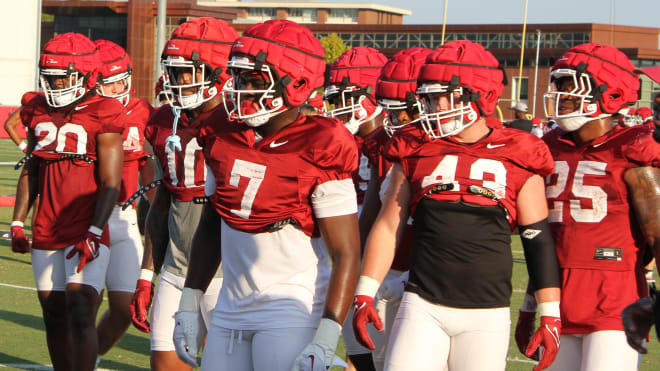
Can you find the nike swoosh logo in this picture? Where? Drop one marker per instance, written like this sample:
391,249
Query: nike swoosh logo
274,145
78,108
129,112
598,145
491,146
357,308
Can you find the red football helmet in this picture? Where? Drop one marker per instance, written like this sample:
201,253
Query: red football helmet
469,77
286,57
198,48
115,66
351,86
395,89
68,68
588,82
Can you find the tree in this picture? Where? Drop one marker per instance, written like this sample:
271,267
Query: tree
334,47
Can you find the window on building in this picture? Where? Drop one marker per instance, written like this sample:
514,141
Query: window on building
343,16
302,15
261,14
522,82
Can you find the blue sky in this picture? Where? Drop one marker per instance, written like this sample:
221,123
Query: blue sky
645,13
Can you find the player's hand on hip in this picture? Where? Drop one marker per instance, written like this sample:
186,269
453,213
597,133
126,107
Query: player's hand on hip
189,330
546,336
88,248
139,308
20,243
319,355
637,321
392,289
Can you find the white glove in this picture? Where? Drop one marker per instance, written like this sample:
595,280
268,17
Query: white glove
189,330
392,289
319,355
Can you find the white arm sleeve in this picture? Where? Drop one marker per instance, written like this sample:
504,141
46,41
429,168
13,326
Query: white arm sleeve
209,185
334,198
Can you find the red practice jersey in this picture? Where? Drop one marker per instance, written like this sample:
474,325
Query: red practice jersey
137,113
68,188
184,172
259,183
502,162
596,240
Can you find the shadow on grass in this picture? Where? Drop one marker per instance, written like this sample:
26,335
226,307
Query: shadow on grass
22,319
114,365
16,260
21,363
134,343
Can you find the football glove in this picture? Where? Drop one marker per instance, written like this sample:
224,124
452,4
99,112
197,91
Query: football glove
392,289
141,301
637,321
319,355
546,336
525,325
189,329
525,331
20,243
87,249
364,311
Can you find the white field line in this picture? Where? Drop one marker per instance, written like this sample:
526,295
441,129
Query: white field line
28,366
25,288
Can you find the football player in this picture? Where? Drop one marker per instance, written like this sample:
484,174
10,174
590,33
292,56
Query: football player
278,179
395,93
467,186
126,249
194,61
596,167
350,95
77,159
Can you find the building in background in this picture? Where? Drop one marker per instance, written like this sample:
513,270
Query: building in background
132,24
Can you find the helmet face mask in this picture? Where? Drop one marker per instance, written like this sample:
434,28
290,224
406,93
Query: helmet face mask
457,114
350,105
392,109
61,87
189,82
257,105
570,99
120,82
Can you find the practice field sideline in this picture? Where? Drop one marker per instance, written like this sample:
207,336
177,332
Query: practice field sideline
23,345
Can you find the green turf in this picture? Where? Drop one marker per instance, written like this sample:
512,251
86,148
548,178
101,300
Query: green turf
24,342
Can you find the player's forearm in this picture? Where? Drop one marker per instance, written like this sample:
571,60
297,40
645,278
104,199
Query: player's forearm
379,250
341,238
147,256
547,295
644,194
370,208
205,254
11,124
21,205
109,167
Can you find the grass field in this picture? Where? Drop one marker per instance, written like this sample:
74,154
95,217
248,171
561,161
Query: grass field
23,342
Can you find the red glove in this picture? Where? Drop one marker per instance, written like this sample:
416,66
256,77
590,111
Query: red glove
524,332
87,249
141,302
546,336
363,313
20,243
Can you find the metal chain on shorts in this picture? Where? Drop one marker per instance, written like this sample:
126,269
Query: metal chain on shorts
140,192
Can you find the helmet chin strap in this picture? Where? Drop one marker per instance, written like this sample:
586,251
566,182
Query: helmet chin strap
574,123
353,125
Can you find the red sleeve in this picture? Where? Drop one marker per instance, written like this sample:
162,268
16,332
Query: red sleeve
29,102
642,149
336,156
112,116
534,154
